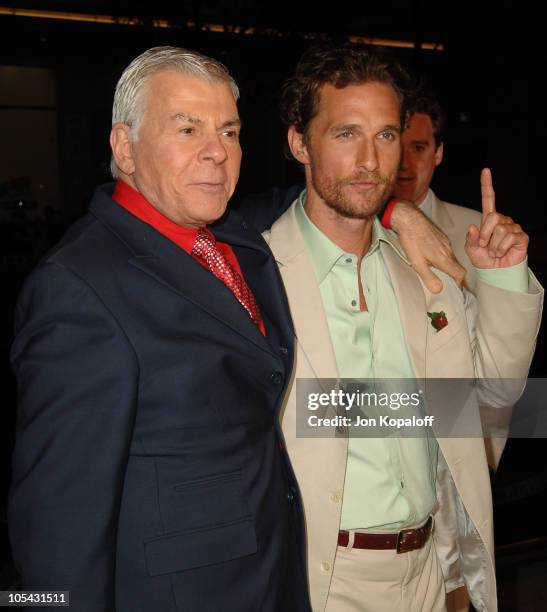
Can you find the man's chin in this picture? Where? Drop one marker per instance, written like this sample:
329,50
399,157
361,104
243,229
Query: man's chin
212,209
351,210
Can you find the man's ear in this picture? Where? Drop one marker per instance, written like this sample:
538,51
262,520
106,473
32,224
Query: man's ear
297,145
439,154
122,147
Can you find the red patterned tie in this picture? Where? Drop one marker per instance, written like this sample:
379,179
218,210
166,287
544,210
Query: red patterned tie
206,249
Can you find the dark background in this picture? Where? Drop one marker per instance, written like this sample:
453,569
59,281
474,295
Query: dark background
57,78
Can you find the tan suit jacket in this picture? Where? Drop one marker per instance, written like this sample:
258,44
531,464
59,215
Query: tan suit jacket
471,345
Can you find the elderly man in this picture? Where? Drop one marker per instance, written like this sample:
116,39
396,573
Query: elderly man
361,313
152,354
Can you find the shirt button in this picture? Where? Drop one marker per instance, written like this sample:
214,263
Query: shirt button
276,378
349,260
325,566
283,350
335,498
354,302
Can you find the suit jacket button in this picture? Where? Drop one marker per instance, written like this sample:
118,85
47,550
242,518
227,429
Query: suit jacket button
276,378
290,496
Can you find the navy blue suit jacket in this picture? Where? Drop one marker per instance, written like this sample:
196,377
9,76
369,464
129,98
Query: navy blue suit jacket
149,471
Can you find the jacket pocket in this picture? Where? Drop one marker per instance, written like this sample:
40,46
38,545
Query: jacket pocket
205,502
184,550
209,481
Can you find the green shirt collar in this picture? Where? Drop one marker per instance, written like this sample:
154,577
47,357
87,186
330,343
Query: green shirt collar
323,252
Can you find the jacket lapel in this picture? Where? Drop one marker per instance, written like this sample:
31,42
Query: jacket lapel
305,301
262,275
411,303
160,258
440,216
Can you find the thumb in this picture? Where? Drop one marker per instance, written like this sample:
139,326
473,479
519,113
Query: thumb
472,238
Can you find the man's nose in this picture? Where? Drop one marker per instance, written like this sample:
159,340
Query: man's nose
213,149
368,156
405,158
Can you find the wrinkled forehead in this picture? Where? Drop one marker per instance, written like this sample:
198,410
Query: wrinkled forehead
172,86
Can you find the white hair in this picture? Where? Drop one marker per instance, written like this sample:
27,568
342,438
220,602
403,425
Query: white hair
128,106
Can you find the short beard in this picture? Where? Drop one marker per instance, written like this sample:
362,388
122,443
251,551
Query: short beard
331,191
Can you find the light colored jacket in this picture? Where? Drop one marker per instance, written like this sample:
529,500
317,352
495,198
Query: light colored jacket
491,336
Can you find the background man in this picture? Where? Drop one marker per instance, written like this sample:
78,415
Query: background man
360,312
152,354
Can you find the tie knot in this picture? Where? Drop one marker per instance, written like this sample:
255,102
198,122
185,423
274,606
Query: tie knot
204,243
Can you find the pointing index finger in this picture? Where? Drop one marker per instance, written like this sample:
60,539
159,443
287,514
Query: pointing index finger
487,193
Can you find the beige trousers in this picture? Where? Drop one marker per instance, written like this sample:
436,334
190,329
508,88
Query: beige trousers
384,581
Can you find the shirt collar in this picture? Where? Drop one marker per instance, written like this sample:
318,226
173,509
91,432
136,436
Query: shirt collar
135,203
323,252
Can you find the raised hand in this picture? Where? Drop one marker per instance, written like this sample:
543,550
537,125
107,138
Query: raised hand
499,242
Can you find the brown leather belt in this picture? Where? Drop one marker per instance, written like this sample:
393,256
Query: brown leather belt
404,541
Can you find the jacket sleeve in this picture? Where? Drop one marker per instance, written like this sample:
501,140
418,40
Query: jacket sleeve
77,378
503,328
261,210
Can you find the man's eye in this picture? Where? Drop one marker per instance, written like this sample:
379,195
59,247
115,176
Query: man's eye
345,135
419,149
234,134
387,135
187,130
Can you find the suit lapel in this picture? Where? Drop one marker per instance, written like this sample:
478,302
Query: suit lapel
412,306
305,300
160,258
262,275
440,216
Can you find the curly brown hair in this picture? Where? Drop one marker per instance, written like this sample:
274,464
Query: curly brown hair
339,66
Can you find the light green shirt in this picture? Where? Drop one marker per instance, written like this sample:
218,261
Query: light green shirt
390,482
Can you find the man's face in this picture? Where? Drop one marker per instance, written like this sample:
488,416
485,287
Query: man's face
352,149
419,160
187,155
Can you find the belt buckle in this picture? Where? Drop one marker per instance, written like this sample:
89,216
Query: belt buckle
400,536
